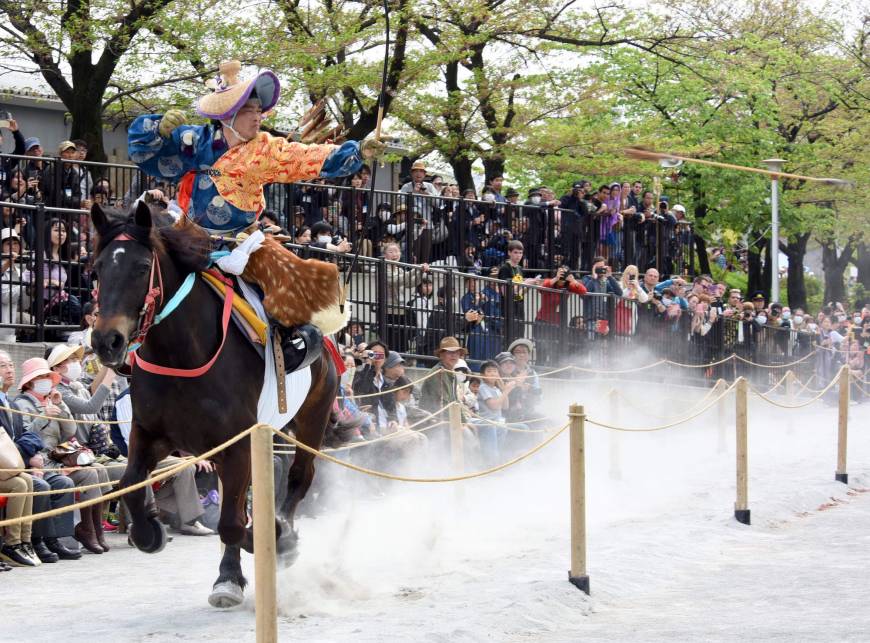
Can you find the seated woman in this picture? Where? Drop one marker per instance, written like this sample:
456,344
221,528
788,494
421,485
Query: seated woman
85,404
39,397
17,548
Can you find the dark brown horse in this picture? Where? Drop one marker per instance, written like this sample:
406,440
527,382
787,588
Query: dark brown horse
192,414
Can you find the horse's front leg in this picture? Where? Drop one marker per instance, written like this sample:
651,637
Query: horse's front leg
234,469
146,530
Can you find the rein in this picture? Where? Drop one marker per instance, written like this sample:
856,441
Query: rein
149,317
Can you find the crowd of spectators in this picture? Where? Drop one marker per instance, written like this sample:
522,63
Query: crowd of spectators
56,427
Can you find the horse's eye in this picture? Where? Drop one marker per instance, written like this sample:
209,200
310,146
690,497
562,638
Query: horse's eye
142,268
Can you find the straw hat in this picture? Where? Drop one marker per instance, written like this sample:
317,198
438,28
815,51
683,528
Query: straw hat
33,368
63,352
450,344
232,93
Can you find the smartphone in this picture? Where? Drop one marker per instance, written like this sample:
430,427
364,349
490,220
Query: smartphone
5,117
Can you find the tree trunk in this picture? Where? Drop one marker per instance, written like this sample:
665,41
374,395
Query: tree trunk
701,253
795,250
462,172
753,258
862,262
87,124
834,266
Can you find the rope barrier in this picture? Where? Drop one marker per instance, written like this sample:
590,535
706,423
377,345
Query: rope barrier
509,426
399,478
47,470
631,403
55,417
626,429
802,359
795,406
163,475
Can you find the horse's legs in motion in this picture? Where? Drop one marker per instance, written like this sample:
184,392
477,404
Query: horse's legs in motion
146,532
234,469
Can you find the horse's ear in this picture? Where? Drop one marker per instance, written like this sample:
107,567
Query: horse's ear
98,217
142,215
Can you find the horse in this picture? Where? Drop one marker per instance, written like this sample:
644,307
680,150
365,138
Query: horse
192,414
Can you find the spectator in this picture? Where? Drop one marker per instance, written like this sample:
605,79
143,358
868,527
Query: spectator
398,279
528,389
46,531
33,168
439,390
39,397
600,282
549,318
17,548
8,165
481,307
575,217
419,309
62,186
60,306
374,377
513,298
86,184
322,235
15,296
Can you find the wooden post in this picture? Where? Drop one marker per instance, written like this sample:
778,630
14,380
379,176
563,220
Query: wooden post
456,444
577,574
615,468
265,563
843,427
790,383
741,507
721,414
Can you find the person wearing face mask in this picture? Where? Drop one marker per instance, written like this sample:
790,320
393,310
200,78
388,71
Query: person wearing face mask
39,397
85,403
321,237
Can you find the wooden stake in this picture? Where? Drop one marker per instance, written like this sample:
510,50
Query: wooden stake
722,410
741,507
843,427
265,563
577,574
615,468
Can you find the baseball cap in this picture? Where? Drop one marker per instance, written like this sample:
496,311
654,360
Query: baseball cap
577,184
65,145
393,359
30,143
679,208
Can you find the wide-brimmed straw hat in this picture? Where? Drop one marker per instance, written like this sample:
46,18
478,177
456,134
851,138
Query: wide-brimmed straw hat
63,352
33,368
232,93
450,344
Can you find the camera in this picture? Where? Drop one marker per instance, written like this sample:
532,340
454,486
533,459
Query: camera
601,271
370,354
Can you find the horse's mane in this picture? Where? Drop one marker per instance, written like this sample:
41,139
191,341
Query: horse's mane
184,242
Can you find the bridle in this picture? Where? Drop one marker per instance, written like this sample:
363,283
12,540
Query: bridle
149,317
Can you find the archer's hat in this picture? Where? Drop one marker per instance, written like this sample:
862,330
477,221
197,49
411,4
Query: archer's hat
232,93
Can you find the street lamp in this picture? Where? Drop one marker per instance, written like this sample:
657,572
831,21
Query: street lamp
774,165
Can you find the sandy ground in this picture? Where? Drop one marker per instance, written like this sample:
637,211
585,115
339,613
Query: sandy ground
488,560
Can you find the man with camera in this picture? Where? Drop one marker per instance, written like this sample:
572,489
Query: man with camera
548,319
7,164
68,192
322,237
575,216
600,282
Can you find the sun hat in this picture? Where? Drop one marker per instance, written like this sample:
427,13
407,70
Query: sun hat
461,364
450,344
522,341
418,165
33,368
30,143
232,93
63,352
9,232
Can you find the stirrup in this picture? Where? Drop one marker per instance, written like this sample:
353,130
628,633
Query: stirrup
301,345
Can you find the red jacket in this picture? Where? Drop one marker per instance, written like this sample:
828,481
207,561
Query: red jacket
549,310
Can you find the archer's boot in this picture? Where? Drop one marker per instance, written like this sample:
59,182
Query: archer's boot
97,520
301,346
84,533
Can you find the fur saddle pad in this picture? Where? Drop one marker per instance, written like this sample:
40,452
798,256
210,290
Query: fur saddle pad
297,291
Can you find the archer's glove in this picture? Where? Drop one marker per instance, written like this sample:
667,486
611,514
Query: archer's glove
171,119
372,148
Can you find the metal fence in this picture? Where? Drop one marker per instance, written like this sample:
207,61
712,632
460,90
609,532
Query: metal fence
464,232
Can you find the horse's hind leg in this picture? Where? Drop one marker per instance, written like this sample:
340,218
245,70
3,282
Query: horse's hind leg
234,469
146,531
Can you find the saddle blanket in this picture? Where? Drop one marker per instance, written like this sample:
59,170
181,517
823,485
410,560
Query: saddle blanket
297,384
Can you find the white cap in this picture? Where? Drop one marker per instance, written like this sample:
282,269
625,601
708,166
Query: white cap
8,232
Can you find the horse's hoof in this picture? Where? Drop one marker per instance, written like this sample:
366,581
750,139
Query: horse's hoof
287,544
150,537
226,594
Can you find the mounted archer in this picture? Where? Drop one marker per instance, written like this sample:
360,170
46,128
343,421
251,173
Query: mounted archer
222,168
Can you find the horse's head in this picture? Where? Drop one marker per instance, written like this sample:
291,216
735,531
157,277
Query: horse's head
124,255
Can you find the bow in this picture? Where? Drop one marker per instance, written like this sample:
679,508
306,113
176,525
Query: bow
382,103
